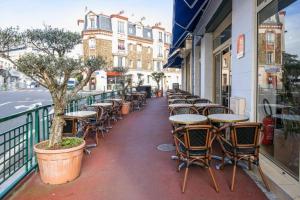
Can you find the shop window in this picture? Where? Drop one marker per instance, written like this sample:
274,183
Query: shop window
279,83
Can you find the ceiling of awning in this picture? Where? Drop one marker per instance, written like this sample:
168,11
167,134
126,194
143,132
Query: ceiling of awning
186,14
174,61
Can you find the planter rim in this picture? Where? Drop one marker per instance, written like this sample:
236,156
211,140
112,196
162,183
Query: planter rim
56,151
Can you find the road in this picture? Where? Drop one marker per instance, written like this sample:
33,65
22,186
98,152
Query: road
15,101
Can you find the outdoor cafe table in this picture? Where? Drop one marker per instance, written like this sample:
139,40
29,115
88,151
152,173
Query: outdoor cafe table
78,115
225,118
201,105
119,100
101,105
187,119
170,101
180,105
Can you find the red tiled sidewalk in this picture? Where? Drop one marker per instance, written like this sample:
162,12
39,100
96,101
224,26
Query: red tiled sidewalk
127,166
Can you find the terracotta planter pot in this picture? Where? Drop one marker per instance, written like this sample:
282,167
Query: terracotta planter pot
59,166
125,108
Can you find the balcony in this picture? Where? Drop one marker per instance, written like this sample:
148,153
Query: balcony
127,165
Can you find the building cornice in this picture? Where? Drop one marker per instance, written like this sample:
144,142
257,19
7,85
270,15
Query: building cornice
139,39
119,17
96,31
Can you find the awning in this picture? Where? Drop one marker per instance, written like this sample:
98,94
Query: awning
174,61
186,15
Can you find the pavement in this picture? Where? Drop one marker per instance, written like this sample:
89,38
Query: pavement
126,165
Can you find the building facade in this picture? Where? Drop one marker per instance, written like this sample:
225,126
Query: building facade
142,49
245,55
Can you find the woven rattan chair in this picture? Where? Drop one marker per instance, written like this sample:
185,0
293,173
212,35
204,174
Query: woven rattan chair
179,101
183,110
209,110
177,97
193,145
243,145
202,101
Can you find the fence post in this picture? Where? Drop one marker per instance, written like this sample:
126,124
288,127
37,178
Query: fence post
37,124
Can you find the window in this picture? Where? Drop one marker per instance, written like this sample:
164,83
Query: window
92,43
139,64
270,58
149,34
121,27
278,82
139,48
92,23
149,65
148,79
120,61
149,49
160,51
157,66
160,36
130,30
130,63
121,44
270,37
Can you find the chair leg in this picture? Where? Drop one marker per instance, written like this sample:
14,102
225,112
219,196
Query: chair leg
96,137
222,161
185,178
263,178
213,179
233,176
249,164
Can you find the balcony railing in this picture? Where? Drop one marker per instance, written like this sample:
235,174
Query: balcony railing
19,133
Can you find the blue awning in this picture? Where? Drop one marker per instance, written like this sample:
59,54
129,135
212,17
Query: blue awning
186,14
174,61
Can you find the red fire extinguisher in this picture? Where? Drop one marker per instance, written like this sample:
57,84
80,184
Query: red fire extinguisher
268,124
268,130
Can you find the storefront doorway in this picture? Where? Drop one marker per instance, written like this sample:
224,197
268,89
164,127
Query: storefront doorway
223,76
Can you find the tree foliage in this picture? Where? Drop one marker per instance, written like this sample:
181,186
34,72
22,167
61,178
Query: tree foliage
157,77
51,65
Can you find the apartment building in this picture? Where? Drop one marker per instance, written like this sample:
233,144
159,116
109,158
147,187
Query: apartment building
123,43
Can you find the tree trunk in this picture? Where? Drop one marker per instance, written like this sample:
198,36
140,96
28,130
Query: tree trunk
57,124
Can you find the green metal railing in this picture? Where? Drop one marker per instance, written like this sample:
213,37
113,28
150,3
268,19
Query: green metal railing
19,133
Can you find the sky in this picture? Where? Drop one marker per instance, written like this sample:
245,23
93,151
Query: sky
65,13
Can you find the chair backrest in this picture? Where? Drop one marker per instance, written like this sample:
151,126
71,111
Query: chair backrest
202,101
245,135
179,101
197,137
183,110
209,110
176,97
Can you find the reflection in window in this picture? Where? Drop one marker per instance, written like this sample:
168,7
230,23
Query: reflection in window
279,82
121,27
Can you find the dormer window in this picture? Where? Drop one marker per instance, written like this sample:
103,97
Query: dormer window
92,23
160,36
121,26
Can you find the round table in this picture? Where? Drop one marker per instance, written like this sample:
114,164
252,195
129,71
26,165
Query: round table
201,105
80,114
180,105
227,118
101,105
187,119
119,100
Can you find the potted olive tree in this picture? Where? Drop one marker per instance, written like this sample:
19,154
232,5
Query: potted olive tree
157,77
51,65
125,82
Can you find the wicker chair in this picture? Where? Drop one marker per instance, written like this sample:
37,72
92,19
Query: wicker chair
202,101
209,110
243,145
177,101
193,145
183,110
177,97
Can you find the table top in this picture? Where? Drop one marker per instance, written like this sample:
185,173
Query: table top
228,118
180,105
187,119
114,99
205,104
101,104
171,100
287,117
80,114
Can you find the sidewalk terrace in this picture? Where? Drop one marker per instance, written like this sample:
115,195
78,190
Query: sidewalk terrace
127,165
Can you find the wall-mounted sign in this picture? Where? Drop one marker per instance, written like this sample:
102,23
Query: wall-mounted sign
241,46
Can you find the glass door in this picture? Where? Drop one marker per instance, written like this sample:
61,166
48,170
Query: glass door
223,77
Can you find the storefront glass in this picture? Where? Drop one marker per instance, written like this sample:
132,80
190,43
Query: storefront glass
279,82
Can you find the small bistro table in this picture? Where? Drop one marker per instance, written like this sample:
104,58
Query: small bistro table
170,101
187,119
180,105
74,117
101,105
